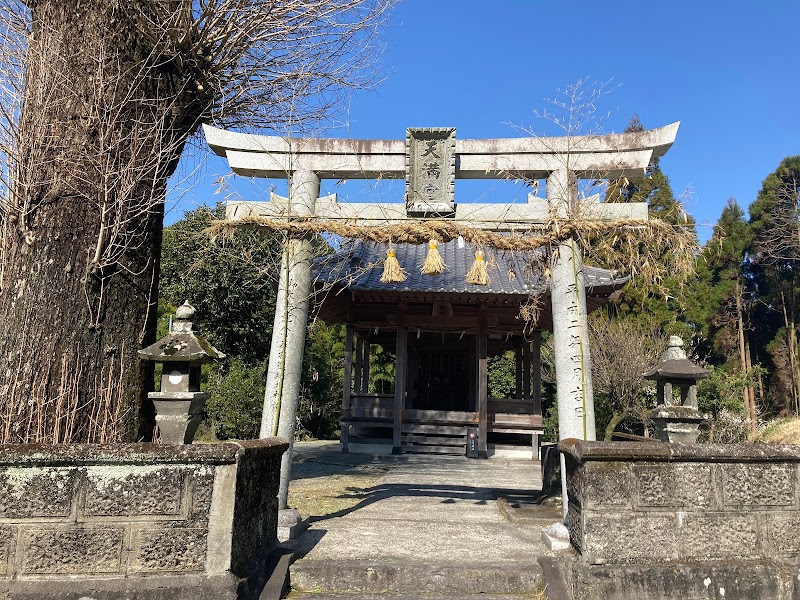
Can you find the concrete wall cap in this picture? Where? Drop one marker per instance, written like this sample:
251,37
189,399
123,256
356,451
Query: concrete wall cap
583,451
19,455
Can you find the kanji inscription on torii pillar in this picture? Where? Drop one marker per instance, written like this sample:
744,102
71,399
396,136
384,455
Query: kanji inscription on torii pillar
431,171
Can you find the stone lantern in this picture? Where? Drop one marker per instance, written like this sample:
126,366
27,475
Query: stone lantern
179,404
677,422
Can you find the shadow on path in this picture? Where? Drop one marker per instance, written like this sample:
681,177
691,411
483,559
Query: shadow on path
449,494
428,501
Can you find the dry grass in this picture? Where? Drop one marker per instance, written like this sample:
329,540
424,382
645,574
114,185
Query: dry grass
784,431
323,496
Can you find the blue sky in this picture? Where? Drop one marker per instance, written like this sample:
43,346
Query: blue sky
729,71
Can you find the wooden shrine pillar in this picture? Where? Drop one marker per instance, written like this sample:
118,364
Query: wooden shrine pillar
537,386
401,367
357,371
365,368
483,382
472,374
346,386
537,372
526,370
518,370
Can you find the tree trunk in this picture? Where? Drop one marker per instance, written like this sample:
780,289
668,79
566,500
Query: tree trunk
616,419
97,138
748,362
791,342
759,379
795,367
747,390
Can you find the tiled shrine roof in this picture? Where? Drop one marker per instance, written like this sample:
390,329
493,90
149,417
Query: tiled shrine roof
358,266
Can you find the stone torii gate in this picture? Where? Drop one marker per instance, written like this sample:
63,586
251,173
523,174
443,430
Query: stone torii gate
430,159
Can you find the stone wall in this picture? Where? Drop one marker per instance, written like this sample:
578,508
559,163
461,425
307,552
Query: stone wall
667,507
131,515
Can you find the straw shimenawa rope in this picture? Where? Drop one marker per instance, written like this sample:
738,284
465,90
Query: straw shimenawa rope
478,274
433,265
419,232
633,246
392,271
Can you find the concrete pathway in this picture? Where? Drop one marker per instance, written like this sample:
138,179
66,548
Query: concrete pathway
428,526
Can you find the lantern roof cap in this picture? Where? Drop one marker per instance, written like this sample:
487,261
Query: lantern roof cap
675,365
182,344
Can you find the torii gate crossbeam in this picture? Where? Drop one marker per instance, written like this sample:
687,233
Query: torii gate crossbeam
607,156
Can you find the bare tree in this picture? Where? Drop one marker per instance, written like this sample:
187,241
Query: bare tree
622,350
779,239
99,99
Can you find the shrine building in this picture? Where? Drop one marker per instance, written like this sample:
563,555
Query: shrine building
441,331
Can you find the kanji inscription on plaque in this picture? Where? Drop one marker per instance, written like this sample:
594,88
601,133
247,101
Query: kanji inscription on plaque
431,171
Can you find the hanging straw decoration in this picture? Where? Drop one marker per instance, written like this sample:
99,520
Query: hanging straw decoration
392,271
433,265
478,274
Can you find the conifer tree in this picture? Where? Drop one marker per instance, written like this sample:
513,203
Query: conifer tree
775,222
659,306
718,301
719,266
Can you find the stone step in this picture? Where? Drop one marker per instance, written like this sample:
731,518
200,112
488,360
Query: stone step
415,579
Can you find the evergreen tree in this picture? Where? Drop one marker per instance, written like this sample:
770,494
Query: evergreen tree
709,300
718,302
775,222
646,305
230,282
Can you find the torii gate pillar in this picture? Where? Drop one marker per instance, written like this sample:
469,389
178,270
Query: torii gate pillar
284,372
570,324
573,363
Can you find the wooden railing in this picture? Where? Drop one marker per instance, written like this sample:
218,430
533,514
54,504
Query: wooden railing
361,400
437,431
454,417
503,413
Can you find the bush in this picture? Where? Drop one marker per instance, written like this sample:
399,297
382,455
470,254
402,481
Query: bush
237,397
321,390
720,397
550,423
503,375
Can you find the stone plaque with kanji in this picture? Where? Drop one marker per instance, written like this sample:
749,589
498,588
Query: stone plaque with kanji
431,171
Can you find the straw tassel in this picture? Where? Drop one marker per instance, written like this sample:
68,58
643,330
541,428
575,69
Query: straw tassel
478,274
392,271
433,265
